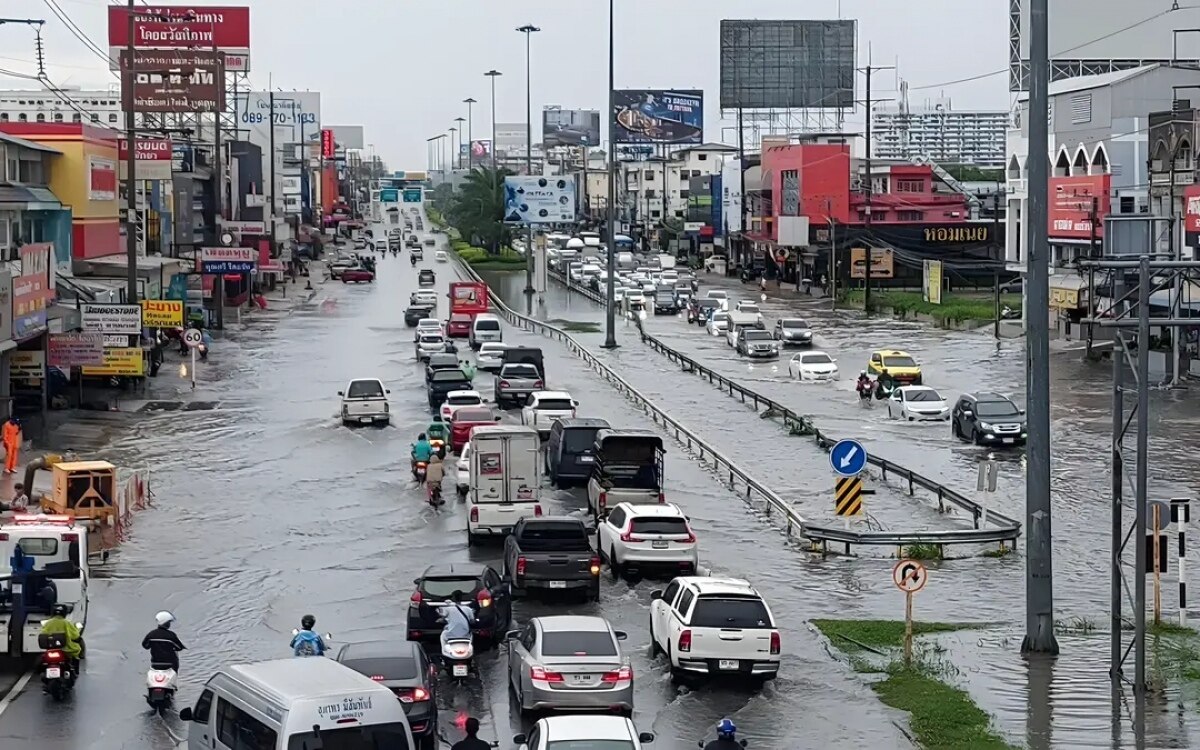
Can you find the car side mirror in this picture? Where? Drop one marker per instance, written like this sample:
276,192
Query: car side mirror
341,393
620,635
656,594
416,581
185,714
519,739
646,737
1021,411
387,390
512,635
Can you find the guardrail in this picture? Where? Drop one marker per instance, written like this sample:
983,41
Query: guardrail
1004,529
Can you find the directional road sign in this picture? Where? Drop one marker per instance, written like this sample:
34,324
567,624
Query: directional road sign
193,337
909,576
848,458
848,496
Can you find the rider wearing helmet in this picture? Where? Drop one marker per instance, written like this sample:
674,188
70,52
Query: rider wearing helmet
59,624
162,643
307,642
726,737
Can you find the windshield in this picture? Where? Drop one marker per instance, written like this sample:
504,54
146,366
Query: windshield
793,323
578,643
579,440
492,348
749,308
997,409
557,536
922,396
473,415
447,376
459,318
373,737
442,588
816,359
899,362
740,612
432,339
555,404
720,317
487,325
717,295
390,668
365,389
519,371
658,525
463,400
758,336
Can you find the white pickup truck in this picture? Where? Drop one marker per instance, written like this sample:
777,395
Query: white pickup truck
545,407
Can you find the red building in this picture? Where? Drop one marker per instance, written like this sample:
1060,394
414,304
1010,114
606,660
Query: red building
908,194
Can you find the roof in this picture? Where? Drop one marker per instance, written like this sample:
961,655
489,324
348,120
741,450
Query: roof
379,650
589,727
662,510
573,623
891,353
10,194
288,680
455,570
710,146
990,396
1086,83
12,139
707,585
552,394
594,423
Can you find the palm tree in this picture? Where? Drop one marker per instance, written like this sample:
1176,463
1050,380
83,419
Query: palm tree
477,209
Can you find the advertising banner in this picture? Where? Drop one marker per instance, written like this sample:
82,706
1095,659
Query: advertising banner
26,365
1191,215
32,291
227,259
570,127
289,185
162,313
127,361
658,116
175,82
481,149
102,179
154,156
882,266
328,144
76,350
1072,200
350,136
538,200
183,26
111,319
932,281
6,306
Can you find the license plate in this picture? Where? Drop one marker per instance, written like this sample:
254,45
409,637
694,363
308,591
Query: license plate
587,459
364,420
558,584
53,673
581,679
727,664
1008,441
660,545
460,670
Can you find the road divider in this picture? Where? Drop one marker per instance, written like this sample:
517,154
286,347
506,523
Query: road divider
988,527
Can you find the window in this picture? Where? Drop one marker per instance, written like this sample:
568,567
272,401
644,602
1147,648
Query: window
730,612
650,193
617,517
578,643
909,216
1128,204
203,707
649,175
790,185
95,117
442,588
685,602
239,730
701,157
659,524
365,389
76,117
22,117
58,117
3,117
669,594
41,117
39,546
909,186
112,118
654,214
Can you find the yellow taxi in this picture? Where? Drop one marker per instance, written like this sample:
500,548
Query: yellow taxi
900,365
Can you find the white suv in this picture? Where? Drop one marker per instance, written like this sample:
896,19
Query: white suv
639,537
714,626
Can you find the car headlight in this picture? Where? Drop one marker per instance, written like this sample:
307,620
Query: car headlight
985,427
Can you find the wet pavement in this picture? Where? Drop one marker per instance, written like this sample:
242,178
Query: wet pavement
267,508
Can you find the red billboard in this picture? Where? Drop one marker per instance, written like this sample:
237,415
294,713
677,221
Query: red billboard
183,27
153,157
1078,202
328,146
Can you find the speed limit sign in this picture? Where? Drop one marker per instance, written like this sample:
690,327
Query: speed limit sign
193,337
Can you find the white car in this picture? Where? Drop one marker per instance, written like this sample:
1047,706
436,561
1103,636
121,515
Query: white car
544,407
750,308
425,297
618,295
462,467
456,400
490,356
639,537
584,731
714,626
440,256
364,401
718,324
430,344
813,366
718,294
426,326
918,403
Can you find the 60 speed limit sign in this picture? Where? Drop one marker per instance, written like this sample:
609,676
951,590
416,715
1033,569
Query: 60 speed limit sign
193,337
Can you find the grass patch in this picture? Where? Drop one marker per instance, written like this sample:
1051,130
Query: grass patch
954,308
477,257
1002,551
576,326
924,552
881,634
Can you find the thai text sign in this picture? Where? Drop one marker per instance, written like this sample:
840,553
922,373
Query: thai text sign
227,259
154,156
114,319
76,350
26,365
162,313
882,266
181,26
32,291
126,361
179,82
1076,204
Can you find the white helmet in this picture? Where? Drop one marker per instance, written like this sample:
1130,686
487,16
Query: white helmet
164,618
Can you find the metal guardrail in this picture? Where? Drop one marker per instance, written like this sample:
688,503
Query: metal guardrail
1004,529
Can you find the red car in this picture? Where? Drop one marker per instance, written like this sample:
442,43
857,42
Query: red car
466,419
459,326
356,275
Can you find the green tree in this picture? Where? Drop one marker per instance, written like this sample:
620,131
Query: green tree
477,209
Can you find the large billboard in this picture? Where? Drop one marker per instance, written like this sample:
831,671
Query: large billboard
658,116
349,136
783,64
175,81
481,149
1092,37
1072,200
539,200
570,127
297,118
183,27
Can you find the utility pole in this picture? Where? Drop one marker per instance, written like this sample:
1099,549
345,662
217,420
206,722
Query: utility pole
742,187
528,30
470,134
127,84
610,312
493,74
274,184
458,162
1039,566
869,189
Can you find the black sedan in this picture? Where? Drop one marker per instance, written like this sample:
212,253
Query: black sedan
426,277
415,314
488,596
403,668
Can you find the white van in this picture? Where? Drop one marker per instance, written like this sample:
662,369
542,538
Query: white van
295,704
485,327
505,479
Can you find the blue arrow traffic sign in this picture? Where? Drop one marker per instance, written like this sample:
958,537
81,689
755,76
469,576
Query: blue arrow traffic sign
848,458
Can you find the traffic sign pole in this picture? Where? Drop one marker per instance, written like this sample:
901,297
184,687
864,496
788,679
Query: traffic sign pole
193,338
193,350
909,576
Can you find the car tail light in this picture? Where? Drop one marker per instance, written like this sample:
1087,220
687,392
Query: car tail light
504,384
484,598
475,515
603,500
627,536
416,695
540,673
595,566
538,384
54,656
685,641
662,498
521,566
691,537
624,674
775,643
537,511
415,598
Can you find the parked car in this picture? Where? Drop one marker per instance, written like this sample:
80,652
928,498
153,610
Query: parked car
545,407
479,583
358,274
569,662
813,366
403,668
988,419
793,332
918,403
584,731
490,356
647,537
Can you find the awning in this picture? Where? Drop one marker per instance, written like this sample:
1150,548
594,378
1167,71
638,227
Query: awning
28,199
32,145
151,264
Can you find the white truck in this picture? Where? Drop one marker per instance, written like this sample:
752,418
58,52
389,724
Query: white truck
51,555
545,407
504,482
628,468
665,261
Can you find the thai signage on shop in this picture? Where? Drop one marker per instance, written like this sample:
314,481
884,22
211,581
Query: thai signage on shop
127,361
154,156
32,291
76,350
177,82
163,313
957,235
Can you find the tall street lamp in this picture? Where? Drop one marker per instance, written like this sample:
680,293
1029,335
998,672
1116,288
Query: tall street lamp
528,30
610,316
453,143
458,154
470,136
493,74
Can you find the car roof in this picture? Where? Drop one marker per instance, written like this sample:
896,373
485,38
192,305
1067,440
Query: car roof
435,322
366,380
891,353
798,355
989,396
661,510
552,394
289,680
708,585
498,345
910,388
452,394
593,423
392,649
572,623
455,570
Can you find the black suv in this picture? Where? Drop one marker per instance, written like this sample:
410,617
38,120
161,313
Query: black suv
486,594
988,419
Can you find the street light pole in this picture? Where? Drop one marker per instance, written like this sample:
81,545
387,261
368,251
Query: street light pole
470,134
494,74
528,30
458,163
610,312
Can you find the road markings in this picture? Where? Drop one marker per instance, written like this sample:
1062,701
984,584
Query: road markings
16,691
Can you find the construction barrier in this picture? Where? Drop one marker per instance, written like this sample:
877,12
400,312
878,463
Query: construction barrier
134,495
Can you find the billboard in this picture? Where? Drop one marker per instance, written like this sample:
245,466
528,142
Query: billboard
1071,203
155,158
481,149
349,136
227,259
539,200
570,127
176,82
658,116
112,319
32,291
511,136
882,263
76,350
102,179
183,27
783,64
127,361
1091,37
328,144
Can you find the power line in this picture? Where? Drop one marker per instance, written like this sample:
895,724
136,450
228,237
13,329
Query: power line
77,32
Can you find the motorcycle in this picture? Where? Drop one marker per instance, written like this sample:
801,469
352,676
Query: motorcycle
202,350
882,391
1009,314
160,688
435,495
865,391
58,671
418,471
704,744
458,658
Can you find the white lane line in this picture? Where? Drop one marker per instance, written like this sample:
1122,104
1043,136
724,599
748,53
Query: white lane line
16,691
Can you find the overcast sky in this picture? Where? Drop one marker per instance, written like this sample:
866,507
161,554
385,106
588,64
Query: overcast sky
401,68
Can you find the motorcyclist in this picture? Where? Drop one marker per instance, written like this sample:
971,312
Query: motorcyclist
435,472
863,386
412,258
421,451
162,643
884,385
59,624
308,642
726,737
471,741
438,430
458,619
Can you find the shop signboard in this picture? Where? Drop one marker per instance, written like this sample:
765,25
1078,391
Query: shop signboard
658,116
26,365
227,259
102,179
1191,215
1076,203
154,157
882,266
112,319
163,313
76,350
328,144
32,291
183,26
180,82
539,200
125,361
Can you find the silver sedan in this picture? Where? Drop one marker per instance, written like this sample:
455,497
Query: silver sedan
569,662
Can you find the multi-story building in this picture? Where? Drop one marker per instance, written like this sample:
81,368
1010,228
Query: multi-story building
100,107
934,129
659,187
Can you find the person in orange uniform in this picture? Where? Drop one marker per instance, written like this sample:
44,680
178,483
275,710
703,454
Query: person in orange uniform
11,437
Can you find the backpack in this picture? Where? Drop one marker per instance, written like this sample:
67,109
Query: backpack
307,643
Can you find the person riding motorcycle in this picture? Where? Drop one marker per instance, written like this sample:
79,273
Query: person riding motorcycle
438,430
726,737
308,642
884,385
164,646
412,258
864,385
421,451
59,624
435,472
458,619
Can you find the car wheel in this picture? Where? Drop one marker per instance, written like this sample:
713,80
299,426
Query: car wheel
676,673
594,594
911,419
954,431
655,649
344,280
974,437
428,742
615,568
470,537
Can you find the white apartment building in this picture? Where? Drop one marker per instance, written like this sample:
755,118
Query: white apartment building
655,186
904,131
103,107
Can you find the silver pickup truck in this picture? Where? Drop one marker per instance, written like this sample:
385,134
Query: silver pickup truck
515,382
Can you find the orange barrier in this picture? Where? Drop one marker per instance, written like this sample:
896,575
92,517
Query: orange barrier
135,495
